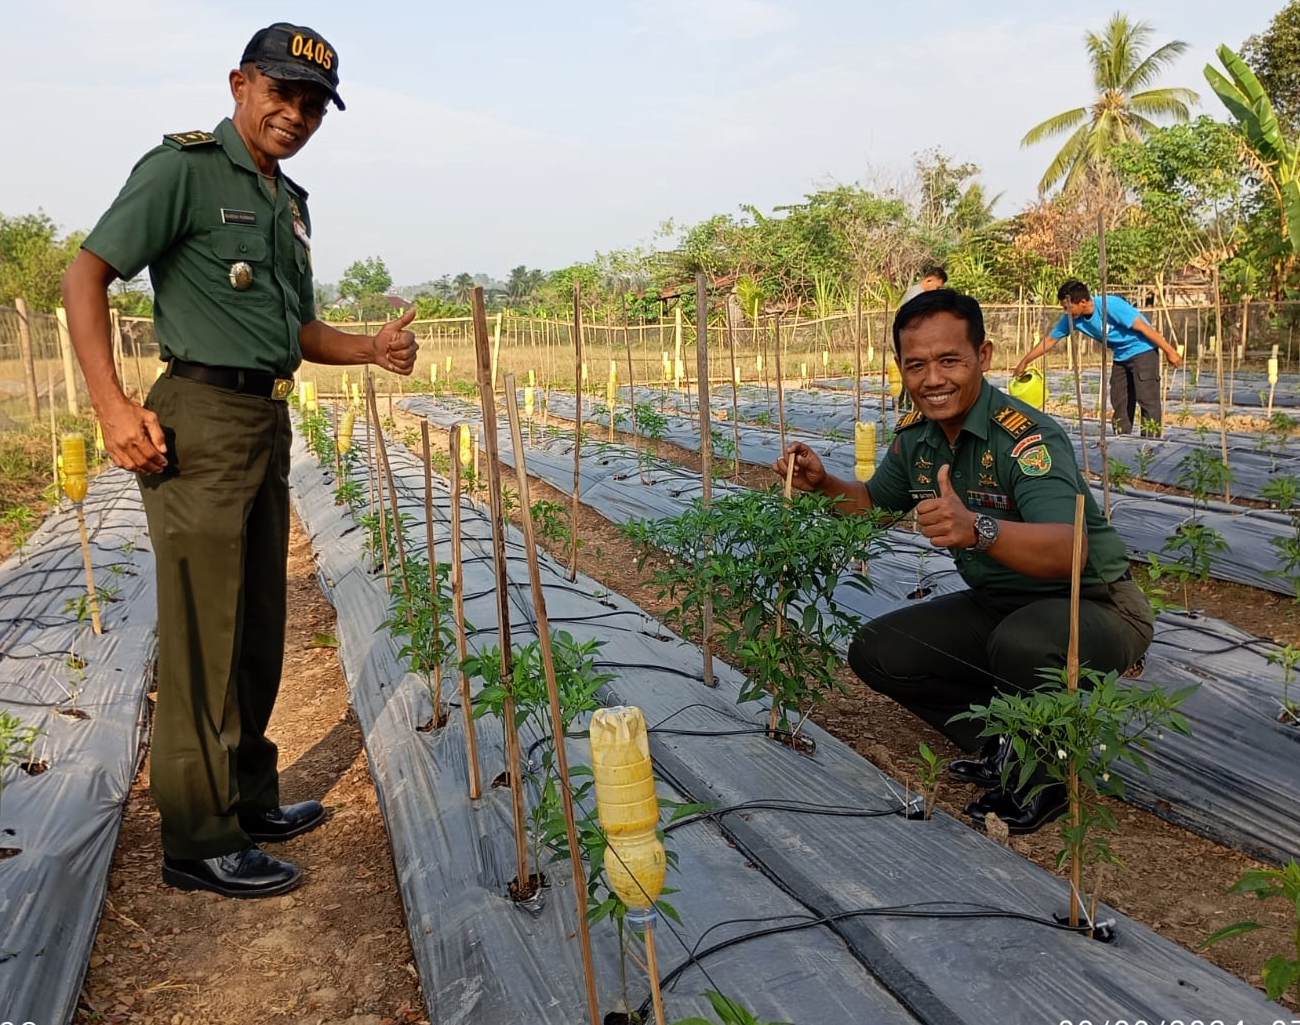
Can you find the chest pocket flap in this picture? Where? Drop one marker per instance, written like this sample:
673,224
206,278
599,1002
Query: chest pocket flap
233,244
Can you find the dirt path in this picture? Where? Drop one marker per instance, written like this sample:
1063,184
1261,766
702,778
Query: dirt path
333,952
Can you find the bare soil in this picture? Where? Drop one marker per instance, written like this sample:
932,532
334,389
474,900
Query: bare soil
336,950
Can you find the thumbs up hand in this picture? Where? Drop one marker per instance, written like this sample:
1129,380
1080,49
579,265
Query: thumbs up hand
945,520
395,347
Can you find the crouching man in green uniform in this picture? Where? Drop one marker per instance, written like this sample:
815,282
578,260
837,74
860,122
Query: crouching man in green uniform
994,481
227,240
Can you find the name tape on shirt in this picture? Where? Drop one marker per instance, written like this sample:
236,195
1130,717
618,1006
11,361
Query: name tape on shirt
238,216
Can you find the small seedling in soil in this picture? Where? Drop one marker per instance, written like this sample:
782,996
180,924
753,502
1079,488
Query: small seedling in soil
1055,734
929,774
1286,657
1120,475
16,742
729,1012
1280,973
1282,492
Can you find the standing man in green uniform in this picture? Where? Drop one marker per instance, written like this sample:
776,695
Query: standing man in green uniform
994,481
227,240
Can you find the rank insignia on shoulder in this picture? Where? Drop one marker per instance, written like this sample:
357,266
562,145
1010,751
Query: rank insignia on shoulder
185,140
911,420
1013,421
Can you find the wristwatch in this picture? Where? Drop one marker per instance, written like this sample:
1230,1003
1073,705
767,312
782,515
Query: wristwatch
986,532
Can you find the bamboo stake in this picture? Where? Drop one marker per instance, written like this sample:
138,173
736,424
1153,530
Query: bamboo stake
69,368
735,391
780,385
577,428
90,570
652,969
458,615
1102,397
513,755
54,435
553,694
1076,354
433,566
387,474
857,360
1218,351
372,459
631,386
706,452
29,364
1072,685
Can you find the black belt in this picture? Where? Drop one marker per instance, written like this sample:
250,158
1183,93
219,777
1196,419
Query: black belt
262,383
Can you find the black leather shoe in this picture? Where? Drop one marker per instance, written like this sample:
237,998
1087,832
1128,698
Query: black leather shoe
986,769
246,873
276,824
1021,816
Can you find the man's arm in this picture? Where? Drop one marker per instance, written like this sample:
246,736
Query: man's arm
1034,549
392,348
1158,340
811,475
1045,345
133,436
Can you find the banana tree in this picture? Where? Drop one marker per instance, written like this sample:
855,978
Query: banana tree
1274,157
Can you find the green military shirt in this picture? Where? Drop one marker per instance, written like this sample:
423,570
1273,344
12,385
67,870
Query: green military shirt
192,210
1010,461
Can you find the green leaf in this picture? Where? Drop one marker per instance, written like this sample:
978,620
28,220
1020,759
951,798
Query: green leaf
1229,931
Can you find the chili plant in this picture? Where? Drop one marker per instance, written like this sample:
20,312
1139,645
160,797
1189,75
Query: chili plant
770,568
1282,492
16,742
1054,733
1286,657
1194,544
1282,972
578,681
424,620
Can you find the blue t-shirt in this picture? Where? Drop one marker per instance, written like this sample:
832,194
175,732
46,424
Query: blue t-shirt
1124,342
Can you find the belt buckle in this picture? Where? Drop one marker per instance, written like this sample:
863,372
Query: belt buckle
282,387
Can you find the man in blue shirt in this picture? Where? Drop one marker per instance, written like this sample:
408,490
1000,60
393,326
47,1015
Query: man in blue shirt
1135,372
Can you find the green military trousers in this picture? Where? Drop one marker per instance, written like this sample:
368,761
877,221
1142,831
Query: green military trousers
939,657
219,524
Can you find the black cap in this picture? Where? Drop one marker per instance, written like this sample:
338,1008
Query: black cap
294,52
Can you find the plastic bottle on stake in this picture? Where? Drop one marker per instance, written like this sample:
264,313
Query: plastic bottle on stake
72,448
864,450
628,808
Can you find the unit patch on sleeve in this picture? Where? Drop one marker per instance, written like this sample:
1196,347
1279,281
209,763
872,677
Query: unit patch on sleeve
184,140
1035,462
1013,421
911,420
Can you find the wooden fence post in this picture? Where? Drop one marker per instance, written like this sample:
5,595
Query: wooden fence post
65,351
25,354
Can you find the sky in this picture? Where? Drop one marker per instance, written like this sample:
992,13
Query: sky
480,136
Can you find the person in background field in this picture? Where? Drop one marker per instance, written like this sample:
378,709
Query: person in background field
227,240
931,278
994,481
1135,347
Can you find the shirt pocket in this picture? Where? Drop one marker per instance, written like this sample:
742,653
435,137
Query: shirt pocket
239,245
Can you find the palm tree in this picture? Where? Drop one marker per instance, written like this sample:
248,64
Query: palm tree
462,287
1124,106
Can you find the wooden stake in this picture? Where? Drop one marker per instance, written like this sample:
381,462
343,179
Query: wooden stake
90,570
652,969
377,508
1102,397
780,385
514,759
706,452
577,428
1072,685
69,367
458,615
384,472
433,566
857,359
1076,360
553,694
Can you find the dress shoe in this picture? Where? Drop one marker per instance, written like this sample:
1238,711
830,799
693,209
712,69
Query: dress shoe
1021,815
985,770
246,873
276,824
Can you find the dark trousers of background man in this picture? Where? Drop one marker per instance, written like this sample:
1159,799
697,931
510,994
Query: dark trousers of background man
219,524
939,657
1136,382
